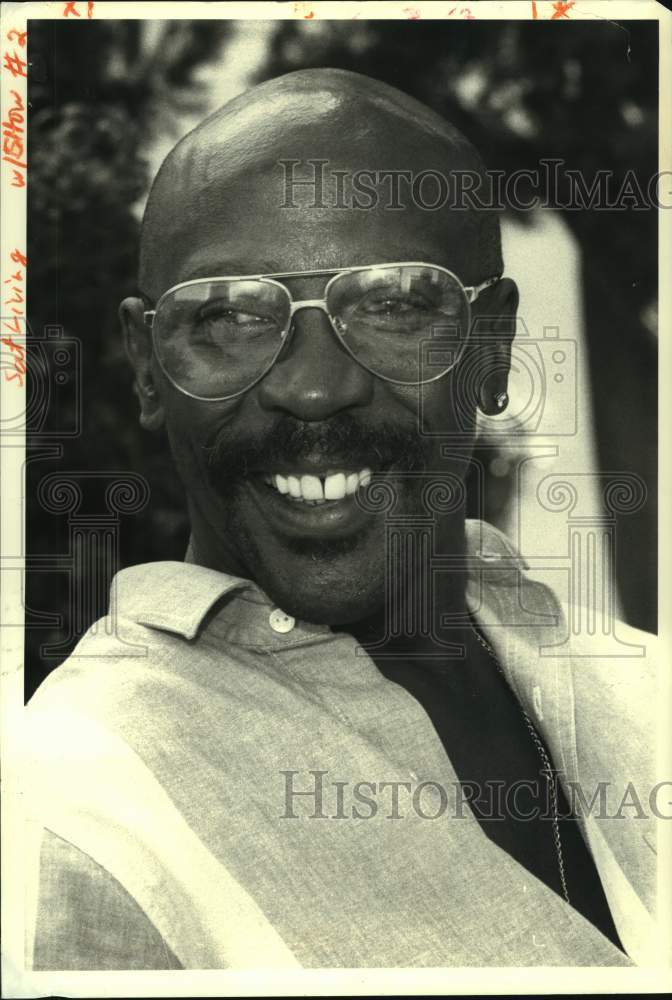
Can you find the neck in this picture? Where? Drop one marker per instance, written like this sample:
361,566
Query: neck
425,606
424,601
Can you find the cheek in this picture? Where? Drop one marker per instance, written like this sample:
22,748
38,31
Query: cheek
182,446
191,427
443,409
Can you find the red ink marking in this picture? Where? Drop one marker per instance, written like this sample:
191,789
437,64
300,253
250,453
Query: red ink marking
468,16
71,8
15,348
20,36
412,13
17,352
15,64
18,101
561,8
13,145
534,10
308,16
18,358
12,159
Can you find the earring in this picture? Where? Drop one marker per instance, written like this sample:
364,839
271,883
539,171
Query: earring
501,401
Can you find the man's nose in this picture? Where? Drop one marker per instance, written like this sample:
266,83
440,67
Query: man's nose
314,377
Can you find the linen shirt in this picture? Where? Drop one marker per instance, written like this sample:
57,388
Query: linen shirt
164,748
497,758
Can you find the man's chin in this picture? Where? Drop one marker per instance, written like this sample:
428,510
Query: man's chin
327,550
322,564
327,587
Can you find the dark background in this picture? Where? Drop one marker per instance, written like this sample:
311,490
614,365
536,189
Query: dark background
97,97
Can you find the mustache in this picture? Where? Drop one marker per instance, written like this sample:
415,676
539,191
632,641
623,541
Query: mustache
343,438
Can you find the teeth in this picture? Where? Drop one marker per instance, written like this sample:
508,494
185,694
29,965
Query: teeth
351,483
334,486
315,490
311,488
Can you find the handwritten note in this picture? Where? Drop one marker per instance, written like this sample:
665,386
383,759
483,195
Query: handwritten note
13,62
71,9
14,263
13,139
414,13
16,305
551,11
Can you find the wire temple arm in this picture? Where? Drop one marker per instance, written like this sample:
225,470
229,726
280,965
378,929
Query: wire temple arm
473,291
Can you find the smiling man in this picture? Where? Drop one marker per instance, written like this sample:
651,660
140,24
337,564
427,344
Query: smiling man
337,737
341,400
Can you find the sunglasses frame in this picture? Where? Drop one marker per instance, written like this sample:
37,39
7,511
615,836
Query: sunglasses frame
471,293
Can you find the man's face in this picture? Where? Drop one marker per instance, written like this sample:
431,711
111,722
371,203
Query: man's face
317,413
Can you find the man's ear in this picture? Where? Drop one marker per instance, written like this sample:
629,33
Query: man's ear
138,344
494,327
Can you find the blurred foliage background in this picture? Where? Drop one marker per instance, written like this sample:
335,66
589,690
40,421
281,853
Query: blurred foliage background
104,93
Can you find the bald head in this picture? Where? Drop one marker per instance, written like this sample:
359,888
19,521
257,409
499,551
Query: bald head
350,121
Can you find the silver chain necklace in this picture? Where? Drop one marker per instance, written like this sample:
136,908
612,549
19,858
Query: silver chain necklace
546,768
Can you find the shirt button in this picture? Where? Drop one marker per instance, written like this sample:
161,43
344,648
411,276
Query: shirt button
281,622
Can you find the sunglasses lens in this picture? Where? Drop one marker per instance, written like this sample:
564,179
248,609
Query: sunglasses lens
216,338
408,323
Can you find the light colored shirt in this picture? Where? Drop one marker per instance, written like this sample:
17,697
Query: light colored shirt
167,751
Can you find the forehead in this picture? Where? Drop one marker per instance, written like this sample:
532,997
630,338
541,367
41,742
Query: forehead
251,233
313,200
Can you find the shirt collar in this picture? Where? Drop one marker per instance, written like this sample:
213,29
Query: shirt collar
171,596
177,596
